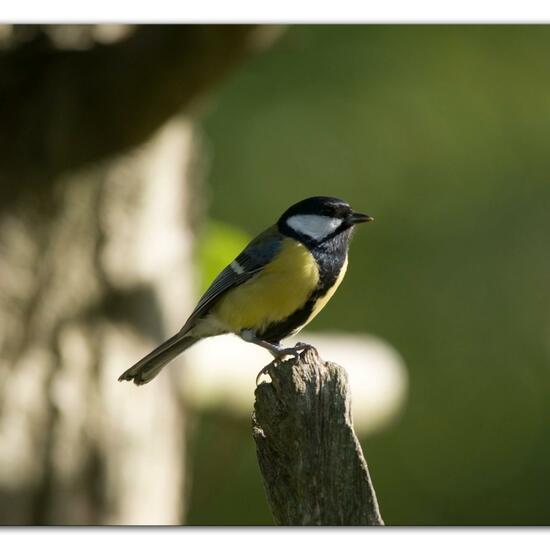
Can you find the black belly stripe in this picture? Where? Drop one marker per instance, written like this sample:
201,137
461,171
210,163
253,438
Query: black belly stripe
330,257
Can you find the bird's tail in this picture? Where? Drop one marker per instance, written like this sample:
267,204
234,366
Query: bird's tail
147,368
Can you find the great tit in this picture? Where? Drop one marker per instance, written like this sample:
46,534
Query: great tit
273,288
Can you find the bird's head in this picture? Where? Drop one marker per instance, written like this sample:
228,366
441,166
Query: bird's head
317,219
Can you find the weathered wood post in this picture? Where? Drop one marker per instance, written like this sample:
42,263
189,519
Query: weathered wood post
311,462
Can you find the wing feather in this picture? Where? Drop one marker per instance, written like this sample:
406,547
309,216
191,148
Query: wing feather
251,260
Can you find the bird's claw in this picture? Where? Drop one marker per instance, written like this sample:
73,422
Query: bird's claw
294,352
264,371
278,360
302,346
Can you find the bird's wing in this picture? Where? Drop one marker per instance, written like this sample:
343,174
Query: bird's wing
250,261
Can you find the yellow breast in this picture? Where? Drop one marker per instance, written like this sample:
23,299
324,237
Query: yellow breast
281,288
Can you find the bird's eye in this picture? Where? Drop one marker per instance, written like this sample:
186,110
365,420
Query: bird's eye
331,211
337,211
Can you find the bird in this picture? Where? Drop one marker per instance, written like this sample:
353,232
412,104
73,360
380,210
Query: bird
273,288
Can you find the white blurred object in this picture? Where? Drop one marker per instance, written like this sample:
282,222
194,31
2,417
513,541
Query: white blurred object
221,372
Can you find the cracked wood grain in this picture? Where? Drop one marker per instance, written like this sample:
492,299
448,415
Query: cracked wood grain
312,464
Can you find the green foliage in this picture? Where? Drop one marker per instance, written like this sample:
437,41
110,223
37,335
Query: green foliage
217,246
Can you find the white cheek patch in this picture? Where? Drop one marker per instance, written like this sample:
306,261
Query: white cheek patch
314,226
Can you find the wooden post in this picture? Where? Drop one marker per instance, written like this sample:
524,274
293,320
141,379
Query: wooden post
311,462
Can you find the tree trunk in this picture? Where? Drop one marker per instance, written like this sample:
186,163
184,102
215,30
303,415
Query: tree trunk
312,464
90,282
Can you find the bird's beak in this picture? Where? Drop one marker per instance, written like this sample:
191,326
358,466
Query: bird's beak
357,217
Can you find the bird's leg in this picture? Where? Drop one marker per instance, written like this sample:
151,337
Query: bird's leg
276,350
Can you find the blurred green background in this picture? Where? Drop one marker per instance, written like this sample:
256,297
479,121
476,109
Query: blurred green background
443,134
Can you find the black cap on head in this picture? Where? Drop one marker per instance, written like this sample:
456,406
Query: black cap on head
321,206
